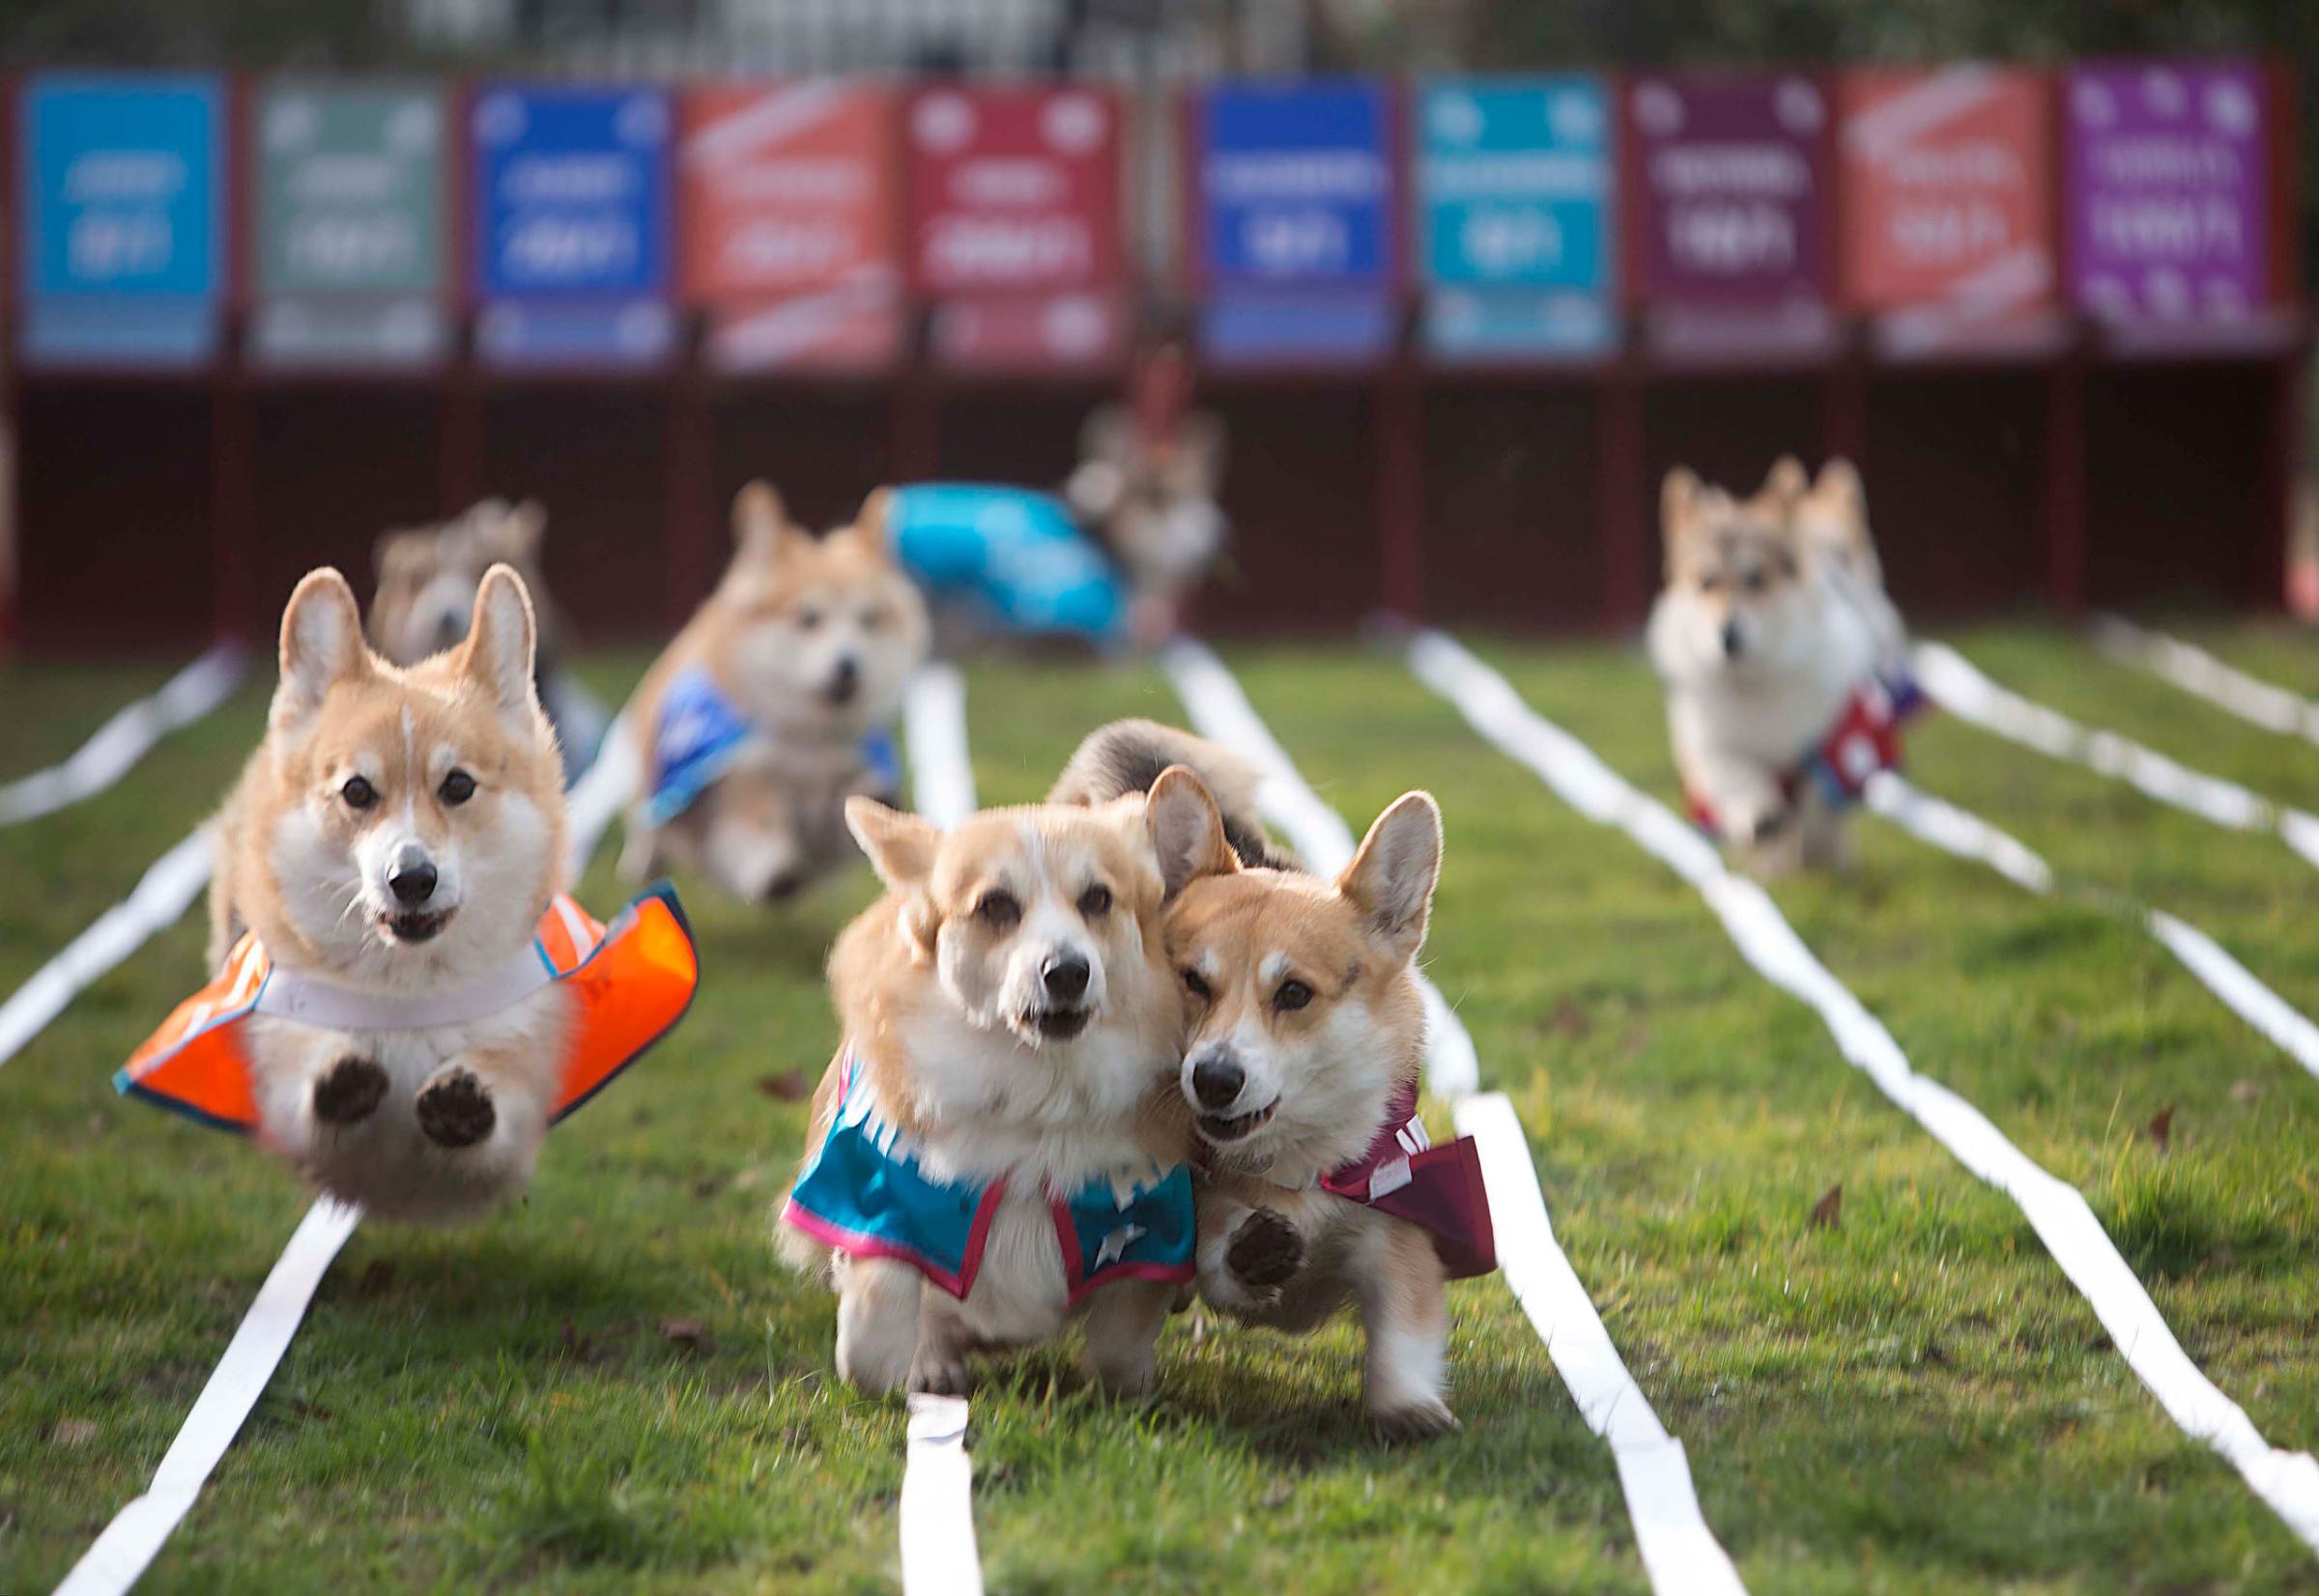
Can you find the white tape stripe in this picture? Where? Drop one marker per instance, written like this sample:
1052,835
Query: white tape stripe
1959,687
938,1554
115,746
590,802
2288,1481
137,1531
1969,837
1678,1551
2195,670
164,894
933,722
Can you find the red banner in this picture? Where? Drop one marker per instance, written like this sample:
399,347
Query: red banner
787,190
1948,191
1014,189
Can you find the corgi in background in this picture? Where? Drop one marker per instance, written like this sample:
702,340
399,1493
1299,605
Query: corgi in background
1320,1190
772,706
395,838
1148,478
1830,516
425,599
1771,657
991,1155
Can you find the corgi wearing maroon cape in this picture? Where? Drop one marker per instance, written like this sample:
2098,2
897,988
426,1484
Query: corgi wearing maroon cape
987,1160
1306,1038
406,1000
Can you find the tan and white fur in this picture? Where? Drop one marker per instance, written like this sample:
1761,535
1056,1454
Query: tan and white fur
1760,647
396,833
814,639
1012,1005
1830,517
1153,500
1307,1017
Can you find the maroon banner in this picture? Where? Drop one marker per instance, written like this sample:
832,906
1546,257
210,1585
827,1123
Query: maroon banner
1734,176
1013,190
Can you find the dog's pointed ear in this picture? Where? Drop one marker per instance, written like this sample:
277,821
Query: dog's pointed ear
1186,830
760,523
322,645
873,522
901,846
497,655
1840,484
525,527
1787,481
1391,878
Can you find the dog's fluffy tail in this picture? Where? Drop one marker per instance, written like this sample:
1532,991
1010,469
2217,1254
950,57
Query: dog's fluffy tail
1127,756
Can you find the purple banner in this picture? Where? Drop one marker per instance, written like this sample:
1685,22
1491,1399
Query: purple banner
2168,183
1735,177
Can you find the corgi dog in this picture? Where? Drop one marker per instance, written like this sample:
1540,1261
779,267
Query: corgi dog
398,834
425,598
1148,485
1764,652
1305,1043
1830,515
987,1159
772,706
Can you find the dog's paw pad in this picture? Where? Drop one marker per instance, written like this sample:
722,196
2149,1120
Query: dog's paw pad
1266,1250
454,1109
349,1092
1413,1421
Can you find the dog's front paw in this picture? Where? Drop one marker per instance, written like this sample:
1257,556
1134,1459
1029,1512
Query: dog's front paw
940,1369
454,1108
1265,1254
1758,826
1419,1420
349,1092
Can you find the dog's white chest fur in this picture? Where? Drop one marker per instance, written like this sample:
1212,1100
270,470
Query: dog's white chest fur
1021,1294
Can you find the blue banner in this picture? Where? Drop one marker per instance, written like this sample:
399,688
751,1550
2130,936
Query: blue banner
1295,184
120,181
1515,183
571,192
1317,329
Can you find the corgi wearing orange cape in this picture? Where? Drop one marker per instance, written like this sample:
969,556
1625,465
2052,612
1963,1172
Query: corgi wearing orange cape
406,1000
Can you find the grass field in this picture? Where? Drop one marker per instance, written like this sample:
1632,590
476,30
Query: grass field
1913,1401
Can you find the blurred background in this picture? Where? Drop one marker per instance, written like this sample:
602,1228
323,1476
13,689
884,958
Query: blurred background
1461,279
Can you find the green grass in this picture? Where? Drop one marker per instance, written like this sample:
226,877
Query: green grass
1915,1401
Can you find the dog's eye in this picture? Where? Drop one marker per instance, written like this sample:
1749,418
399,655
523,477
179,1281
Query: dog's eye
1292,996
807,619
1096,902
358,793
998,909
872,619
1754,581
1709,582
457,787
1197,986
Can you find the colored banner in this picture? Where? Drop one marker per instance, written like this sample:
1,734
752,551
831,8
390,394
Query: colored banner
1948,191
571,225
349,208
1295,184
785,190
2168,189
1515,183
1038,332
1317,328
121,205
1013,190
1733,184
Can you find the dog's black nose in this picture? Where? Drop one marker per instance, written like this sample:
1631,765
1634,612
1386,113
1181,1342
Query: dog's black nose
412,881
1730,639
1215,1080
845,680
1065,977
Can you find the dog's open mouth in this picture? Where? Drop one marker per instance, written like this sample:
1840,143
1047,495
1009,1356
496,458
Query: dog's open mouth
1059,1024
1216,1128
415,926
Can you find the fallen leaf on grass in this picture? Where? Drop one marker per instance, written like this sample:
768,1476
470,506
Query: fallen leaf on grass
790,1086
1829,1210
1571,1020
2245,1091
2161,1128
73,1432
689,1333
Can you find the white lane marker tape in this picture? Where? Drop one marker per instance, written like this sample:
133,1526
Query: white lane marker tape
115,746
2197,672
1959,687
938,1554
599,794
2288,1481
934,723
1679,1552
164,893
129,1543
1969,837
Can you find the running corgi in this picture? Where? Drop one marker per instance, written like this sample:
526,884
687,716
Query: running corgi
406,1002
1830,516
772,706
990,1154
